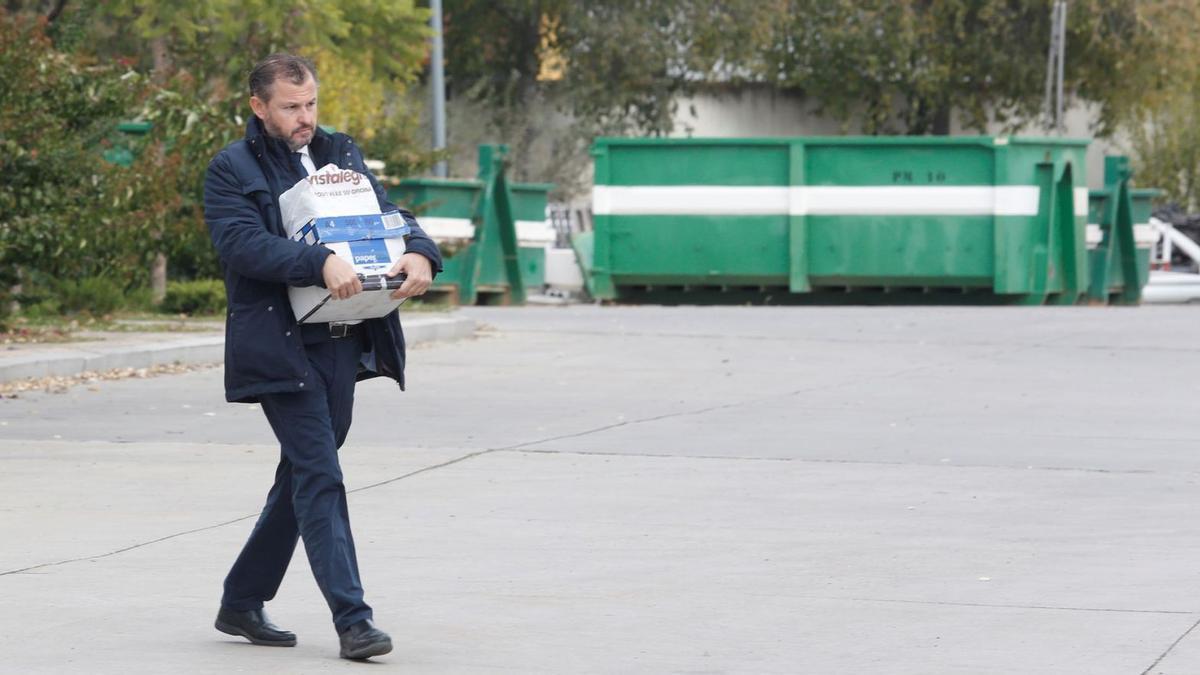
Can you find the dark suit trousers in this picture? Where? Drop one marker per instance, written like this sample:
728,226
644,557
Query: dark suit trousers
308,499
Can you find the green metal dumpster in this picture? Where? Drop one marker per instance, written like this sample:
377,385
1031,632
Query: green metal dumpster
534,232
989,219
1119,237
123,144
471,221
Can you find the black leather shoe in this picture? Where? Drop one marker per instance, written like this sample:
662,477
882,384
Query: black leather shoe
254,625
363,640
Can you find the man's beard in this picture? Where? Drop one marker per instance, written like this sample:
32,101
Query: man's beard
289,139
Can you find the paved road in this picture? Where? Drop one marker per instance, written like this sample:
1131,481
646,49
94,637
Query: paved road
658,490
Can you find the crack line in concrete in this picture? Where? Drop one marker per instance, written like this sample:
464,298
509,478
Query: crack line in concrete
723,406
127,548
239,519
1170,648
915,342
516,446
425,469
601,453
989,605
623,423
819,460
822,387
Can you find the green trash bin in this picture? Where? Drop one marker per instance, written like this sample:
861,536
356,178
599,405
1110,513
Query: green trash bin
473,261
980,219
1110,231
534,232
125,142
472,221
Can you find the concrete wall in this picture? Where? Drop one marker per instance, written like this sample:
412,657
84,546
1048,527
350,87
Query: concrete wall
760,112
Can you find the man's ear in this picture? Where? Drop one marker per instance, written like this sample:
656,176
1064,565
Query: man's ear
259,107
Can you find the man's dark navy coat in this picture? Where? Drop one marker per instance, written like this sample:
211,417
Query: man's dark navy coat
264,352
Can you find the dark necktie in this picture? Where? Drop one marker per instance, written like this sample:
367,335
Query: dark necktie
298,166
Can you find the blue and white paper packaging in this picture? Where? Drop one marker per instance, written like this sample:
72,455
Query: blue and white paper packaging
337,208
371,243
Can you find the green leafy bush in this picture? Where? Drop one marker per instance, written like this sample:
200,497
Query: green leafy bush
65,85
203,296
97,296
63,210
1166,148
44,297
140,299
65,213
50,308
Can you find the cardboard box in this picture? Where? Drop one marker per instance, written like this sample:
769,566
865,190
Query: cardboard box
371,244
337,208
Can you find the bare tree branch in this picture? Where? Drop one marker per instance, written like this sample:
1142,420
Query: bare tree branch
56,11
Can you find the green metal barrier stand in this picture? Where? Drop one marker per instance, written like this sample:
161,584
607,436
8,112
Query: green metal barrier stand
1119,210
488,269
1058,244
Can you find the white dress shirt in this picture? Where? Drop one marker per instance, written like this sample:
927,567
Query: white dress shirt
307,162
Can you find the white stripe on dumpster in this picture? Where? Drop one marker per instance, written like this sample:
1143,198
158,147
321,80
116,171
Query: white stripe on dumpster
831,200
442,229
535,232
447,228
1144,236
689,200
1081,201
894,200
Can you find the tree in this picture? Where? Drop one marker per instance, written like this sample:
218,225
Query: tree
61,207
496,93
547,76
627,64
496,47
903,66
223,38
79,68
619,65
880,66
1166,147
1165,132
198,55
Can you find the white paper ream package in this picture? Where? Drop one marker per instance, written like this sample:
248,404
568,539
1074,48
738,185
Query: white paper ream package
337,208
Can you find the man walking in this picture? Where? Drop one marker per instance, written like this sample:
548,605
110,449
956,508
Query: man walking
302,375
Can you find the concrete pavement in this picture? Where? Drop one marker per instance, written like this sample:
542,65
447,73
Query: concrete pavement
99,351
596,490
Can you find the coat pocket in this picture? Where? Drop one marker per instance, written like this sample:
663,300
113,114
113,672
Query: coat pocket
260,348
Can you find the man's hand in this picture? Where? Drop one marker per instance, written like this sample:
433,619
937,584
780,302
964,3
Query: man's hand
419,275
340,278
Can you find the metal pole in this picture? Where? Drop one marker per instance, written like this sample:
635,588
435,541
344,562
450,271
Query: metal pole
438,85
1054,67
1048,99
1059,123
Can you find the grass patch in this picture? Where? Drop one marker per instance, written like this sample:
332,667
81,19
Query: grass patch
40,330
422,305
63,310
203,296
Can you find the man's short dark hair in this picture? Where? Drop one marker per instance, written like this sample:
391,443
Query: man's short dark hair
296,69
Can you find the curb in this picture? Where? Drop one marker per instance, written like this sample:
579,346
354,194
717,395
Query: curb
60,361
